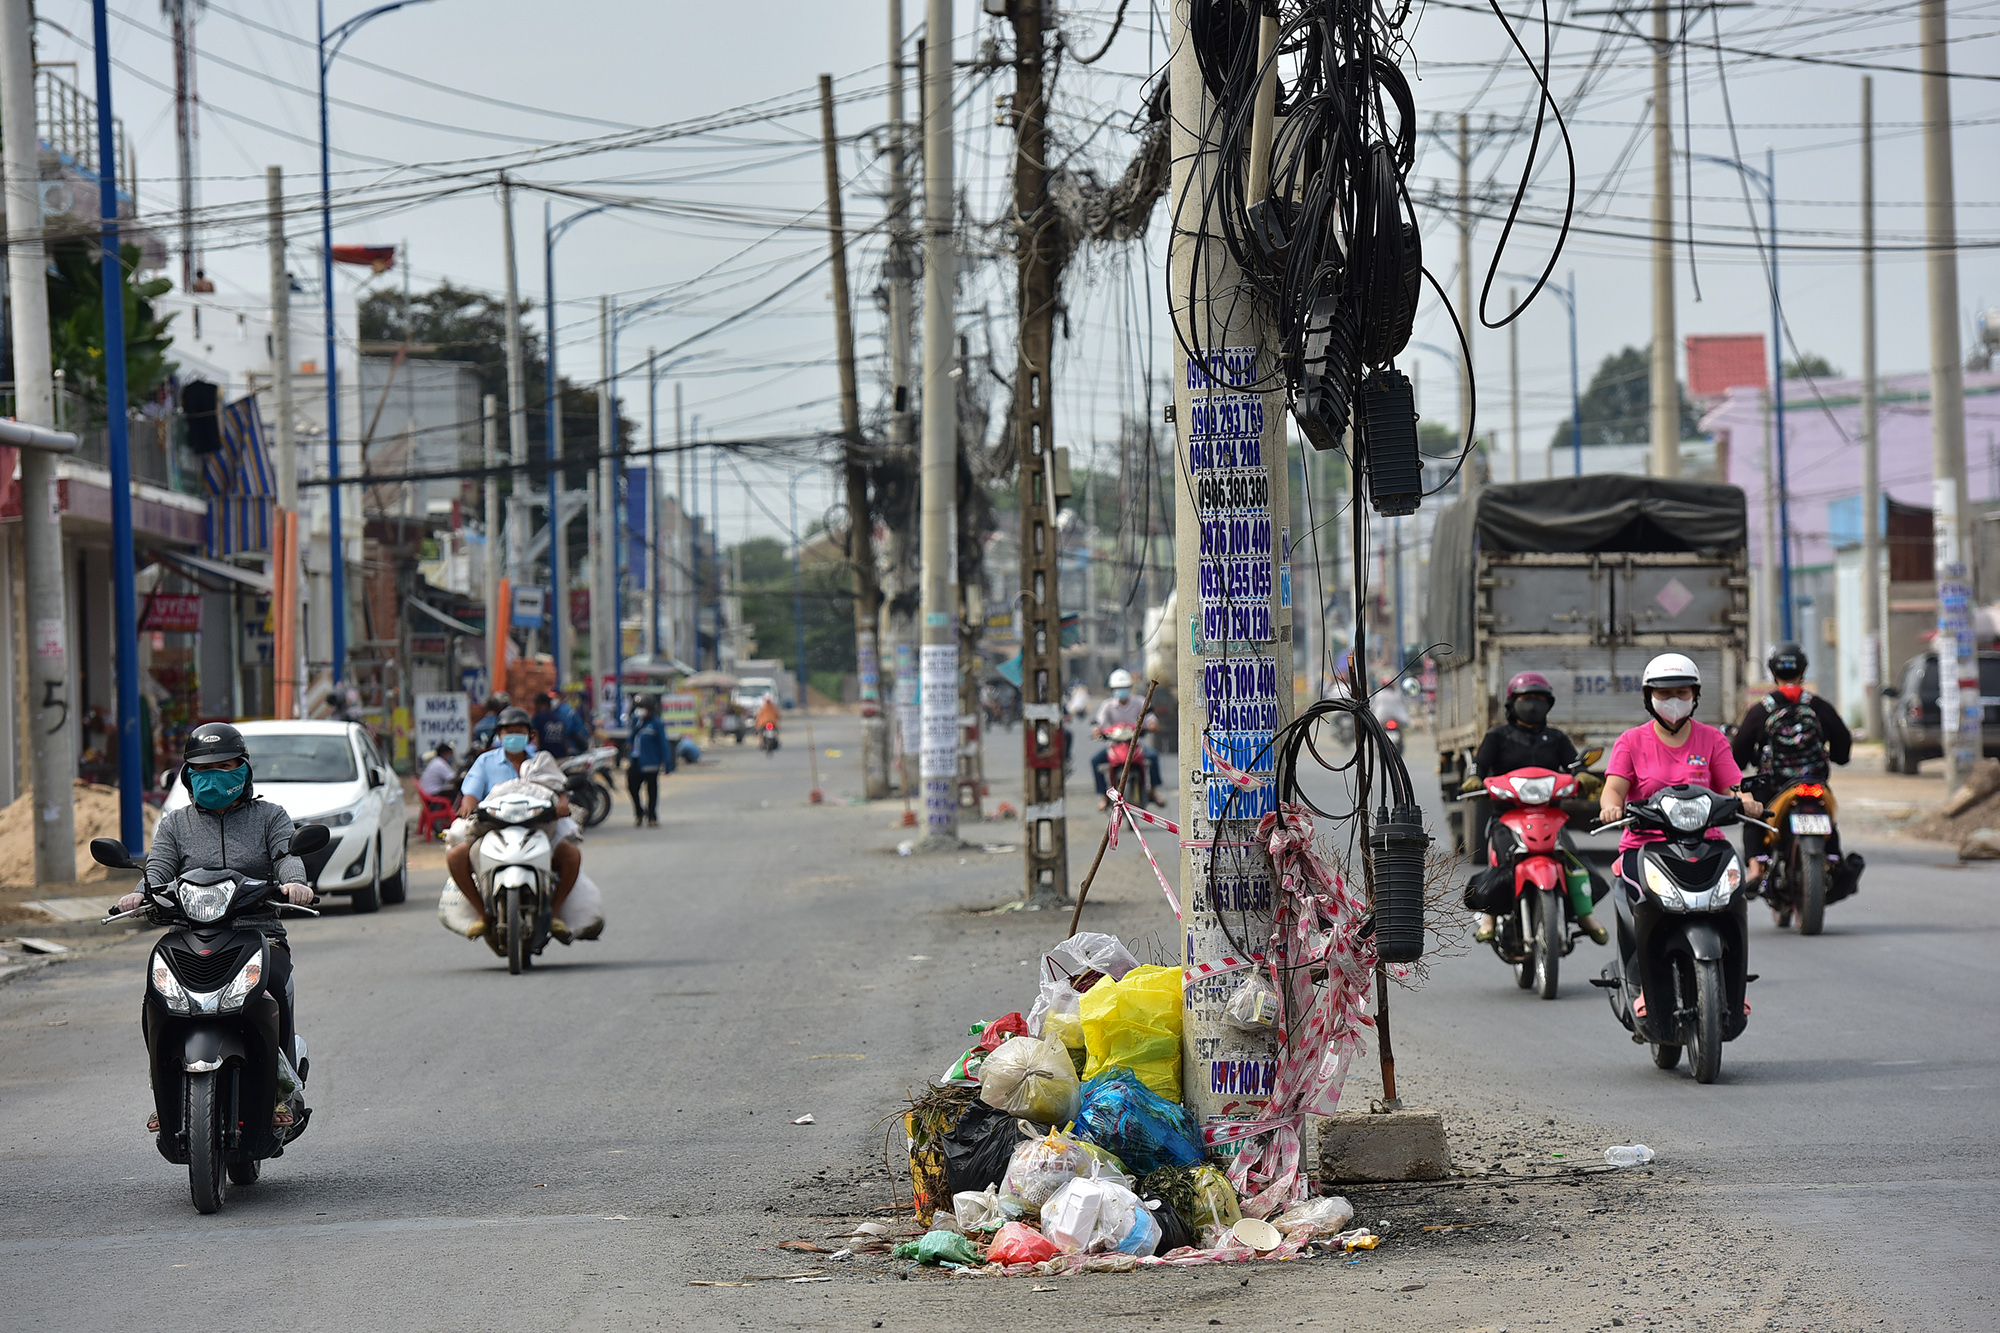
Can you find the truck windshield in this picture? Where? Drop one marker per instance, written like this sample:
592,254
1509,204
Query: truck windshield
300,757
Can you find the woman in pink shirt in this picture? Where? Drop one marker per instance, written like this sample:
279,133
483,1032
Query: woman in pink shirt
1670,750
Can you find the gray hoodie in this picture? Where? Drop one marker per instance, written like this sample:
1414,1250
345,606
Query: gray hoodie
253,836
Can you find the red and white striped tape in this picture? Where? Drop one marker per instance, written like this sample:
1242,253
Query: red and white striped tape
1132,814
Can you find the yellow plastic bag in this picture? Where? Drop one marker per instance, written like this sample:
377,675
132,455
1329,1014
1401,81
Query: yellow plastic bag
1136,1022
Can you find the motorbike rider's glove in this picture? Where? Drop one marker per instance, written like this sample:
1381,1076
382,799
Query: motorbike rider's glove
299,895
130,902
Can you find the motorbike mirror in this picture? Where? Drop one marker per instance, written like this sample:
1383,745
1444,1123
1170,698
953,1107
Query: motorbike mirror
305,841
111,852
1592,755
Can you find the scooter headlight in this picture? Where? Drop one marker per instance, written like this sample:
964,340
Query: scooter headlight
236,992
168,985
1688,815
205,902
1732,879
1663,887
1535,791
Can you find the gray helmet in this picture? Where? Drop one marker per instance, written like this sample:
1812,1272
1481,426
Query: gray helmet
515,717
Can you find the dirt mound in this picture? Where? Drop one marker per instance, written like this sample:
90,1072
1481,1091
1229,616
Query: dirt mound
96,817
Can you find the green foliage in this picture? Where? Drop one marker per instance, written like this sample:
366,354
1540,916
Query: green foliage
1617,407
1810,365
1437,440
76,324
766,589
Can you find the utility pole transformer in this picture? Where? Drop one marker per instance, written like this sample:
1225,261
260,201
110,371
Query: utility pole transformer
938,664
860,530
1235,682
1037,250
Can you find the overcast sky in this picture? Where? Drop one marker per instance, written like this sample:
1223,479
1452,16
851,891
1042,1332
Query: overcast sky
478,86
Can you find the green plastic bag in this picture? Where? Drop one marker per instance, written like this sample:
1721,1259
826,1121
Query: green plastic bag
1136,1022
941,1247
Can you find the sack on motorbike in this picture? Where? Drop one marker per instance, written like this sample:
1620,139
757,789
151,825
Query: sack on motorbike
458,831
1135,1021
1491,890
1073,967
1031,1078
455,914
583,910
543,770
1845,881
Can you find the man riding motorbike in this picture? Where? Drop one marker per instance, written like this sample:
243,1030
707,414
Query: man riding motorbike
501,764
1671,749
229,827
1524,740
1790,735
1122,710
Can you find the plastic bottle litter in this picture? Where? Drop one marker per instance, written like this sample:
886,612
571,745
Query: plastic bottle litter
1636,1154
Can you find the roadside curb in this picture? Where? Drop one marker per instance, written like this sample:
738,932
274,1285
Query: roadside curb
13,971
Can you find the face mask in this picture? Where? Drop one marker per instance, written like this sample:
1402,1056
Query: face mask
1531,709
514,743
217,789
1121,694
1673,712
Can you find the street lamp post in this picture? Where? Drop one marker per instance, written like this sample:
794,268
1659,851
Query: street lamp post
1767,181
338,38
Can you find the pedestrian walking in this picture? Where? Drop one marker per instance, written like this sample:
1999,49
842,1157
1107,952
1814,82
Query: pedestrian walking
651,754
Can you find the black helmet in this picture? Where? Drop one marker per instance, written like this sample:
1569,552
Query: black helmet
515,717
212,741
1787,661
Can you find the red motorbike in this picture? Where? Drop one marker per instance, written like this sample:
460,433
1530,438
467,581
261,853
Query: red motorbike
1526,835
1124,745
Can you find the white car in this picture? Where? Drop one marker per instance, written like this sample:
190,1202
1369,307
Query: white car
330,773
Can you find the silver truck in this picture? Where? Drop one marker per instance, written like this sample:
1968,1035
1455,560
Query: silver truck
1583,579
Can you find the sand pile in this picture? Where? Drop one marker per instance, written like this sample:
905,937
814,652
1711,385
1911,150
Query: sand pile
96,817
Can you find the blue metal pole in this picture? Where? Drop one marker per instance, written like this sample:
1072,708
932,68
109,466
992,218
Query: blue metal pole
1575,397
124,609
616,534
1778,402
336,553
553,407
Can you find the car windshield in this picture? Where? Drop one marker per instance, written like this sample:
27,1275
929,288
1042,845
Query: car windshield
300,757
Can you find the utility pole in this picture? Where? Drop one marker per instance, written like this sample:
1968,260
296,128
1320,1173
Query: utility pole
603,600
1958,664
517,403
860,530
1872,630
938,667
681,572
285,671
185,131
894,626
490,512
1468,318
653,563
1514,379
51,760
1666,385
1037,250
1235,681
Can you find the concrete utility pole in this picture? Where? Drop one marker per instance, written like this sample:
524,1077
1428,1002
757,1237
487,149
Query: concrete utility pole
489,512
1873,631
860,530
517,402
938,667
603,599
285,666
1235,682
1666,431
894,626
1468,317
51,760
1037,250
1514,380
653,562
1958,664
681,524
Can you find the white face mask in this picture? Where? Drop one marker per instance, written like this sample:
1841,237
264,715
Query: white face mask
1673,710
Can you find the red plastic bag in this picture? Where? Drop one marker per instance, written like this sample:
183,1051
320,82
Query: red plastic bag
1017,1243
999,1030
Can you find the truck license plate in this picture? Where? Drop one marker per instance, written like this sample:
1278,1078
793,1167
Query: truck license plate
1820,824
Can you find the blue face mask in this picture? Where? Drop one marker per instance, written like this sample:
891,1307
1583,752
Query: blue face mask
1121,694
217,789
514,743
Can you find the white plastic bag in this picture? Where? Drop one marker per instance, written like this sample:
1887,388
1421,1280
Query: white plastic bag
1031,1079
455,914
1071,961
458,831
1254,1005
978,1212
1096,1215
584,908
1326,1216
1040,1167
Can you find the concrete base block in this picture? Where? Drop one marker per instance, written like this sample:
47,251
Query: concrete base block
1397,1145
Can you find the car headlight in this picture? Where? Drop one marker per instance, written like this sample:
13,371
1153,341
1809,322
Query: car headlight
1663,886
169,985
1687,816
1535,791
338,819
205,902
236,992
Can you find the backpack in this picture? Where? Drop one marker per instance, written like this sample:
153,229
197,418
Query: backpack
1794,744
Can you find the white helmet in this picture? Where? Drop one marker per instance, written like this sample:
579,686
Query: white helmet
1669,670
1121,679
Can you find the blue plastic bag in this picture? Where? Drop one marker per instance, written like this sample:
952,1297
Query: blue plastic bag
1146,1130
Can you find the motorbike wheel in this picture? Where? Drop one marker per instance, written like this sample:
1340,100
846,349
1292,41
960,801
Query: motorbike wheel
601,802
1666,1055
204,1132
517,932
1548,943
1811,881
1524,921
1701,996
244,1173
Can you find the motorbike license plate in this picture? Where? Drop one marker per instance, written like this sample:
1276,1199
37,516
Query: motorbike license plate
1820,824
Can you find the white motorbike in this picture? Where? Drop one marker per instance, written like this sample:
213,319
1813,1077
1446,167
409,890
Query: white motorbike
512,867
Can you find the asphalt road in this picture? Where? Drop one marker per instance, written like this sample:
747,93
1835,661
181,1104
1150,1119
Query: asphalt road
572,1148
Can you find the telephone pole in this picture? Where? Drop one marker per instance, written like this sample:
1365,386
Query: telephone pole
1666,385
490,511
1468,317
285,672
1514,380
517,403
1958,664
860,530
938,666
603,600
900,270
1037,248
1872,635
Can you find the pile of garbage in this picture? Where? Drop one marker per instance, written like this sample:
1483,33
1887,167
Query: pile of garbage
1058,1143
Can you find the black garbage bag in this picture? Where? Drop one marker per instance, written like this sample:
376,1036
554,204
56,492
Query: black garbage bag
1845,881
1173,1231
1491,890
978,1148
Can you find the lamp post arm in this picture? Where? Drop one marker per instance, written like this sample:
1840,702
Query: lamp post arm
338,37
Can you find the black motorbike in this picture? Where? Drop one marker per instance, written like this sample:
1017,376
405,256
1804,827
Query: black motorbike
211,1025
1806,871
1677,978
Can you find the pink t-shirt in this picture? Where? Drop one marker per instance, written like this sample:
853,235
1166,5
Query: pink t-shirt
1639,757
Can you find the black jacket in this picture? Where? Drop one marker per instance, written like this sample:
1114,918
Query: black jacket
1510,746
1748,747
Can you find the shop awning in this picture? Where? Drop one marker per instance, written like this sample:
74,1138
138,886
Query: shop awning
449,622
249,578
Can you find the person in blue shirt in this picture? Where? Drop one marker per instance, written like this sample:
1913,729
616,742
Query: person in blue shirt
576,722
503,763
483,730
551,733
652,754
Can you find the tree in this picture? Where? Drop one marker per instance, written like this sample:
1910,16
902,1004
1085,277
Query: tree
766,590
1617,407
76,324
1810,365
